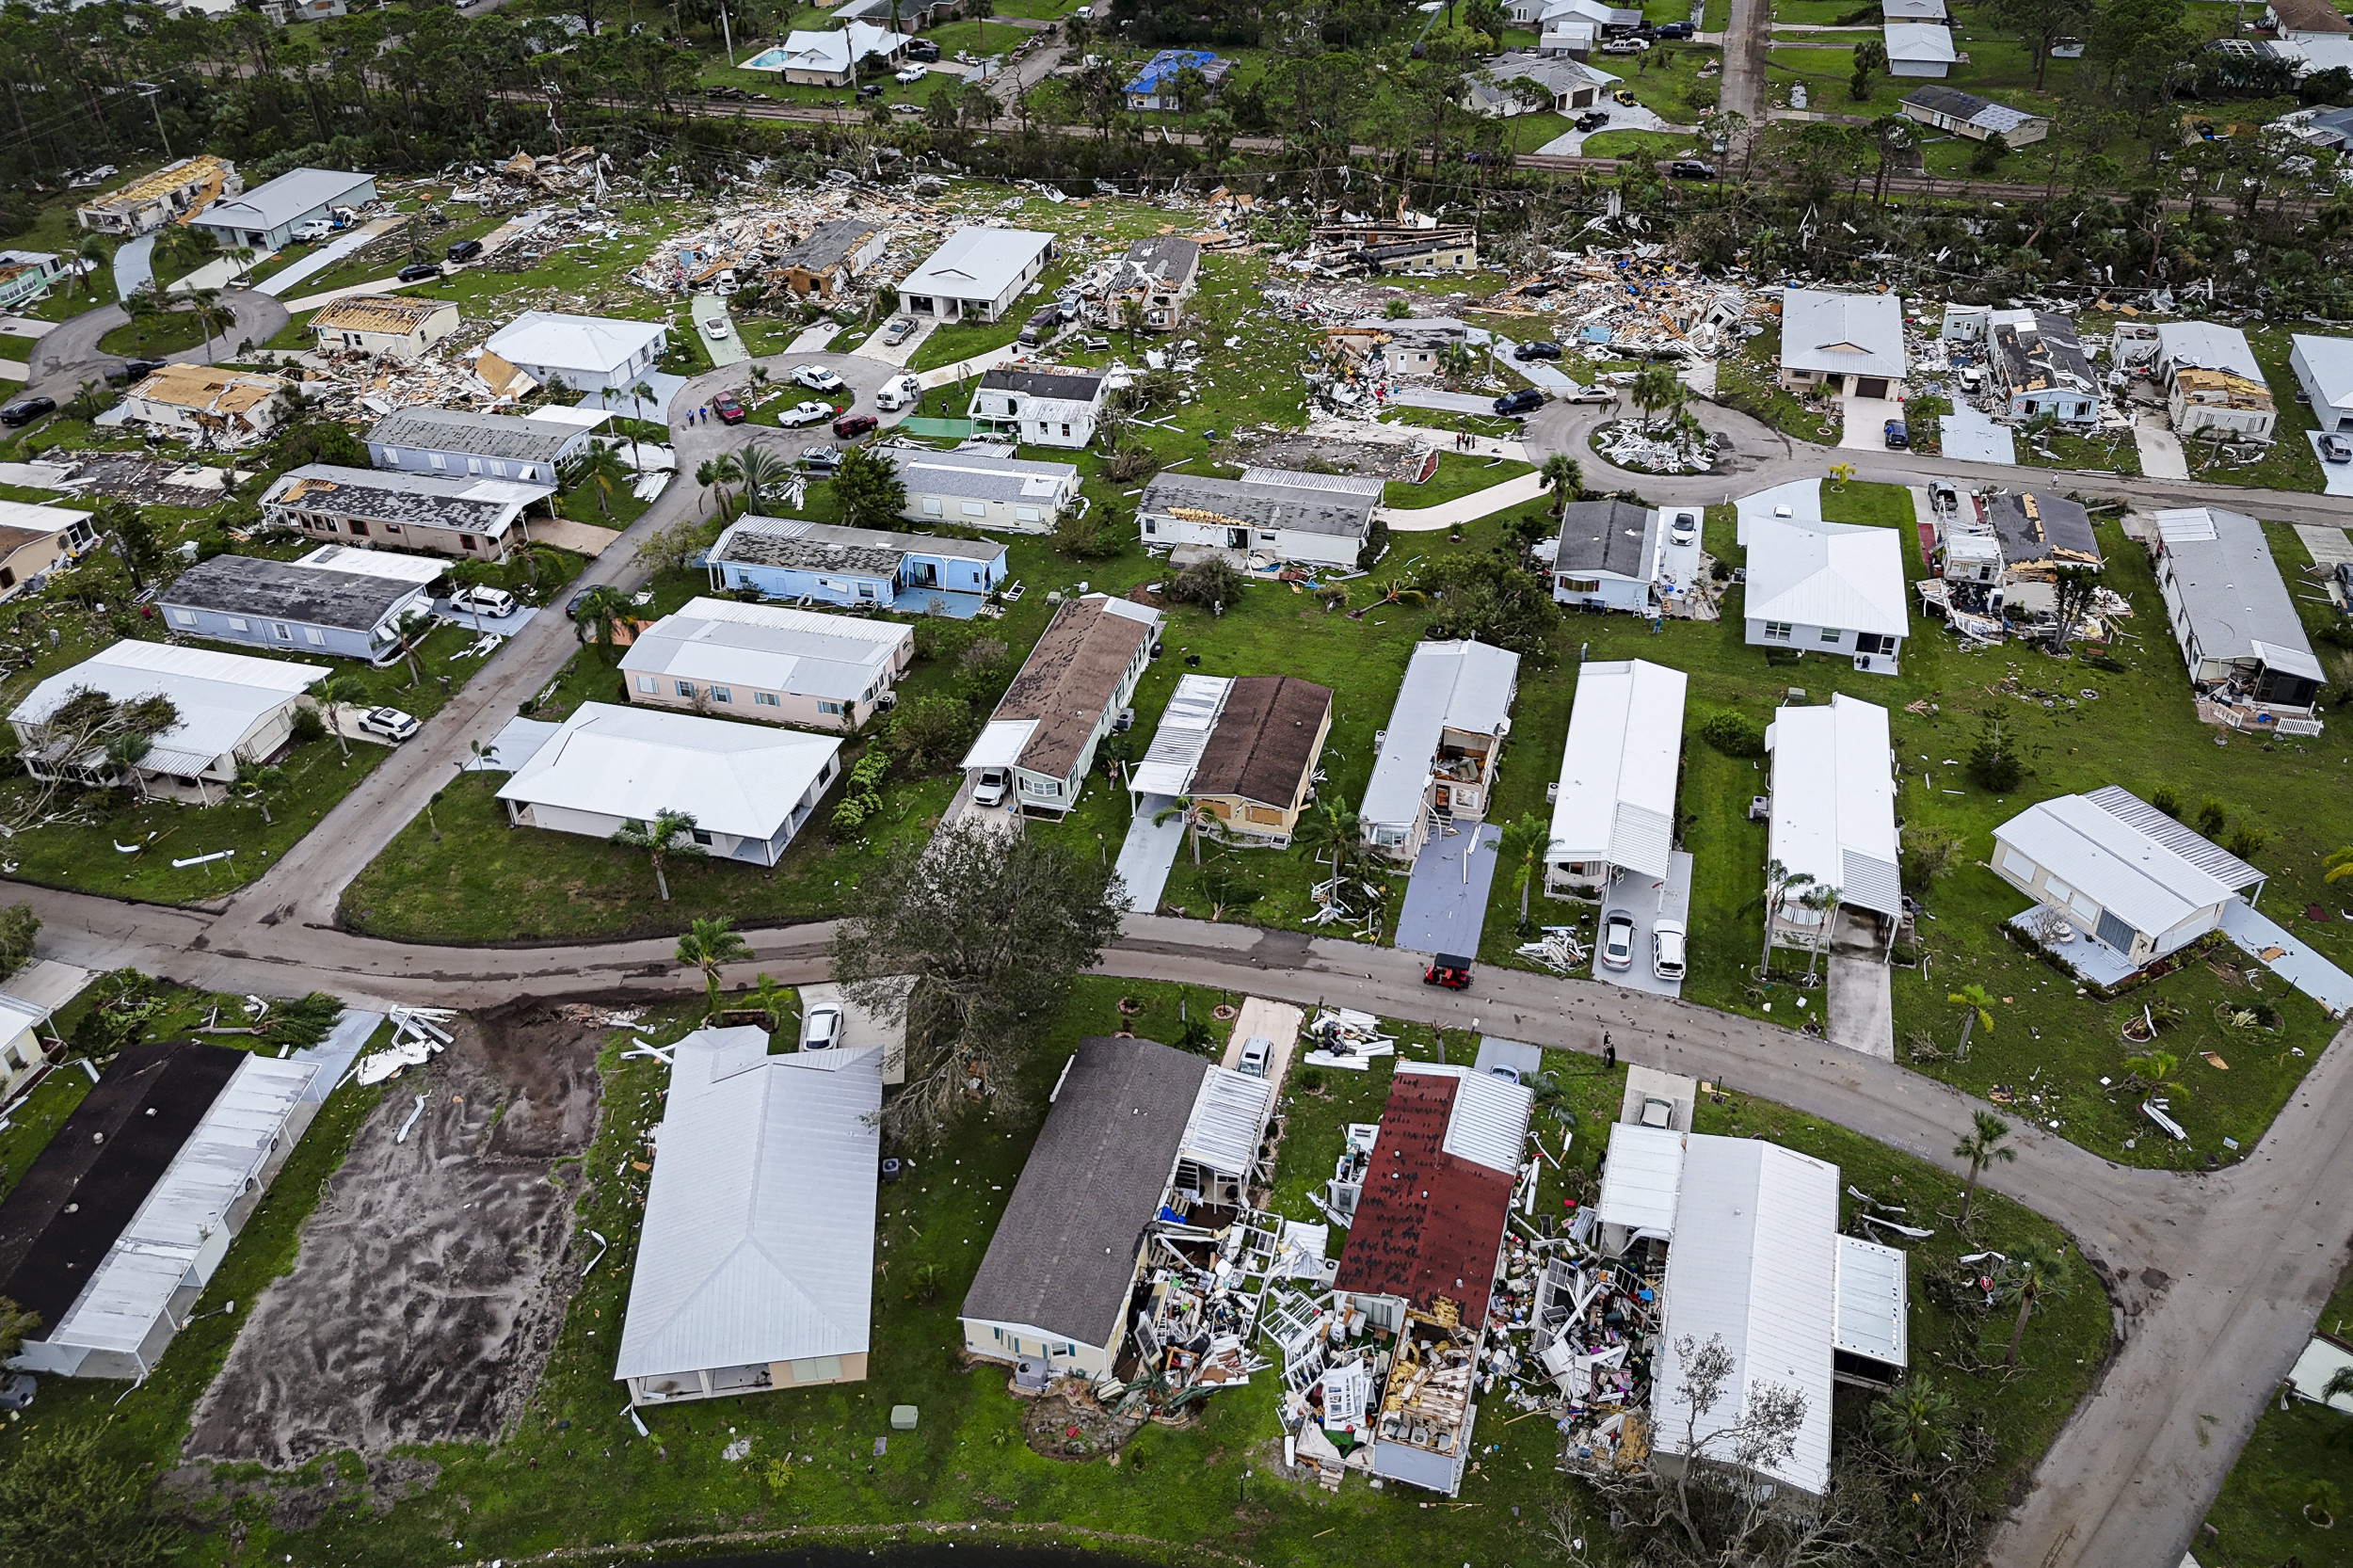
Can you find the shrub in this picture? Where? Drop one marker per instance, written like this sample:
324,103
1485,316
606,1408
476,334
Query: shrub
1733,733
1993,762
1212,581
1927,854
2212,814
2165,799
2248,839
307,726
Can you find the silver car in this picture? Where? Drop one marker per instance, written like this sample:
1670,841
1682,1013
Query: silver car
1257,1052
898,330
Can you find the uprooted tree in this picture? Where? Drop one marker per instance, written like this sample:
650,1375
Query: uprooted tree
994,930
79,741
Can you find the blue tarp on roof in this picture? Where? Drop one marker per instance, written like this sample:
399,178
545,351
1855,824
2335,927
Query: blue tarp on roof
1162,68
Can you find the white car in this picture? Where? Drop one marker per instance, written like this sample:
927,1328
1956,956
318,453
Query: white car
817,378
895,396
717,330
990,790
821,1028
1684,529
390,723
1666,950
317,229
482,602
1258,1053
1617,940
912,73
805,413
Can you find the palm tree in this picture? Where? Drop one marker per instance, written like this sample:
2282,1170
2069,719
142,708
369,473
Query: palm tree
1977,1003
1779,881
1331,826
2339,864
141,308
1825,899
1914,1424
601,610
206,303
1981,1145
1527,844
707,475
775,1002
670,833
411,628
336,693
725,469
601,466
1564,477
2155,1071
639,395
257,782
762,471
1657,387
124,754
2037,1270
96,254
707,945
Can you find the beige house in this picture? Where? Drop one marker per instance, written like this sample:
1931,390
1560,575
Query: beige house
767,661
228,407
34,538
385,508
390,326
27,998
1243,750
168,195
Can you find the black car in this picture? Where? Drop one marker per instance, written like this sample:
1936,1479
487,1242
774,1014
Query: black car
872,90
1674,30
27,409
417,272
1692,168
1593,119
137,368
1537,351
465,251
1526,401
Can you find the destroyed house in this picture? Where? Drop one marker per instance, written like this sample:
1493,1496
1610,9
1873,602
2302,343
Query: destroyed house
1082,671
1394,246
1241,748
25,275
1975,119
34,538
2231,613
1040,407
1139,1138
225,406
2121,872
166,196
391,326
754,1265
983,486
868,569
1157,275
478,518
2039,533
767,661
835,253
1614,809
458,442
127,1214
2043,369
1267,516
1607,556
267,216
1443,742
1422,1251
1412,345
287,604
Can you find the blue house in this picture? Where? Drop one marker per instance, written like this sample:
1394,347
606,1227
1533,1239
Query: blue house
787,558
344,608
1155,85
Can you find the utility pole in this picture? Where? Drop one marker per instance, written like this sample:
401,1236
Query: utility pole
728,32
149,91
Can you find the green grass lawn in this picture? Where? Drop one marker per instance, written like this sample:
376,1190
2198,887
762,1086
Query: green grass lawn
2258,1519
1458,475
812,1467
168,333
1746,380
2110,452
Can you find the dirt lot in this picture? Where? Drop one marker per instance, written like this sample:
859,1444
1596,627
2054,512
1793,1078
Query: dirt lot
426,1292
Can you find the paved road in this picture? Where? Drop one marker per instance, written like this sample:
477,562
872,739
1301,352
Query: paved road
1746,36
70,356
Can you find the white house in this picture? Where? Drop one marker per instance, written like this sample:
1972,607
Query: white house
1843,344
1606,555
27,998
1913,10
976,273
1834,589
830,60
2212,379
1267,516
391,326
1071,688
266,217
749,788
232,708
1443,744
981,486
767,661
2324,368
1919,48
1832,818
2238,629
1040,407
1615,809
754,1265
2121,871
588,354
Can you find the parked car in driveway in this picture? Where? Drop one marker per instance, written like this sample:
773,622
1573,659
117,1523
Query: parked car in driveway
2336,448
1526,401
717,330
1666,949
897,330
805,413
1684,528
821,1027
417,272
1593,119
729,410
1257,1052
912,74
1537,350
1899,434
390,723
820,460
990,791
816,378
317,229
1617,940
483,601
465,251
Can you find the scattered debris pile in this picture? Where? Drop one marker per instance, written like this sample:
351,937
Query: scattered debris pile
418,1037
1343,1038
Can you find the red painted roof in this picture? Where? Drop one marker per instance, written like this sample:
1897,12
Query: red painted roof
1428,1223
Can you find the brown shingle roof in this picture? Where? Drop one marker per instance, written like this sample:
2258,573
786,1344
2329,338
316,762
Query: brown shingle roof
1068,681
1265,741
2309,16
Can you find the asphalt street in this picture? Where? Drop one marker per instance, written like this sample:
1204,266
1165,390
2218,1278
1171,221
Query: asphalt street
69,355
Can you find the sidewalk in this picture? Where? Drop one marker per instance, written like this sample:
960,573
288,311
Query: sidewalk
1464,508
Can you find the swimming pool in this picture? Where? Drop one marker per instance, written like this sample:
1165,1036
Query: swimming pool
767,59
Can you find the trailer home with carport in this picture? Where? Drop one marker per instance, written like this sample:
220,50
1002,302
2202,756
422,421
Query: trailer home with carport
1071,688
867,568
2121,872
1266,516
288,604
2238,629
767,661
1832,821
1606,556
1614,812
1242,749
1443,743
448,443
983,486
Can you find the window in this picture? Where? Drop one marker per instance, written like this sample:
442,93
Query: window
973,508
1831,636
866,590
186,617
236,623
1065,430
829,708
391,456
473,465
465,541
1874,642
721,693
1265,535
826,772
1151,525
315,637
765,700
686,688
437,460
1581,585
1776,631
2057,891
931,505
701,837
648,685
497,471
1026,514
360,528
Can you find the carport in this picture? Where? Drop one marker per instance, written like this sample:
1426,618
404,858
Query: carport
1446,900
1648,899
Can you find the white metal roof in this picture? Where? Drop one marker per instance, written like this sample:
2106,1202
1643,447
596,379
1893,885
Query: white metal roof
42,519
1487,1122
1754,1262
559,341
1930,43
2320,1361
2208,345
813,661
1834,801
757,1241
1855,334
220,697
1229,1122
1183,735
2203,853
361,562
1808,572
1460,685
633,763
2225,582
1002,744
294,194
2120,867
1873,1299
977,262
1799,498
1616,801
1643,1181
2330,361
784,617
132,1286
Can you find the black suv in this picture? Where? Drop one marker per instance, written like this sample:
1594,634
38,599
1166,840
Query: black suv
1692,168
1526,401
27,409
465,251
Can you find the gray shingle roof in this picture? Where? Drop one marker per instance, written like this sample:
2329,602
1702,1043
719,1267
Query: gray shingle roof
1169,256
1064,1254
793,544
1263,503
506,436
381,495
1069,386
1605,536
978,476
312,596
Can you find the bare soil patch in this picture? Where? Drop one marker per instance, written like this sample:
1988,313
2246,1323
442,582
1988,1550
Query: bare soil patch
1063,1428
429,1286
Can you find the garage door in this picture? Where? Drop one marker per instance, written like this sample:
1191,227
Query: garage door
1870,386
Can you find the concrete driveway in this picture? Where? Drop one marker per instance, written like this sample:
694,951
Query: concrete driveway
1646,901
1866,428
729,350
1862,1006
2161,453
2337,478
